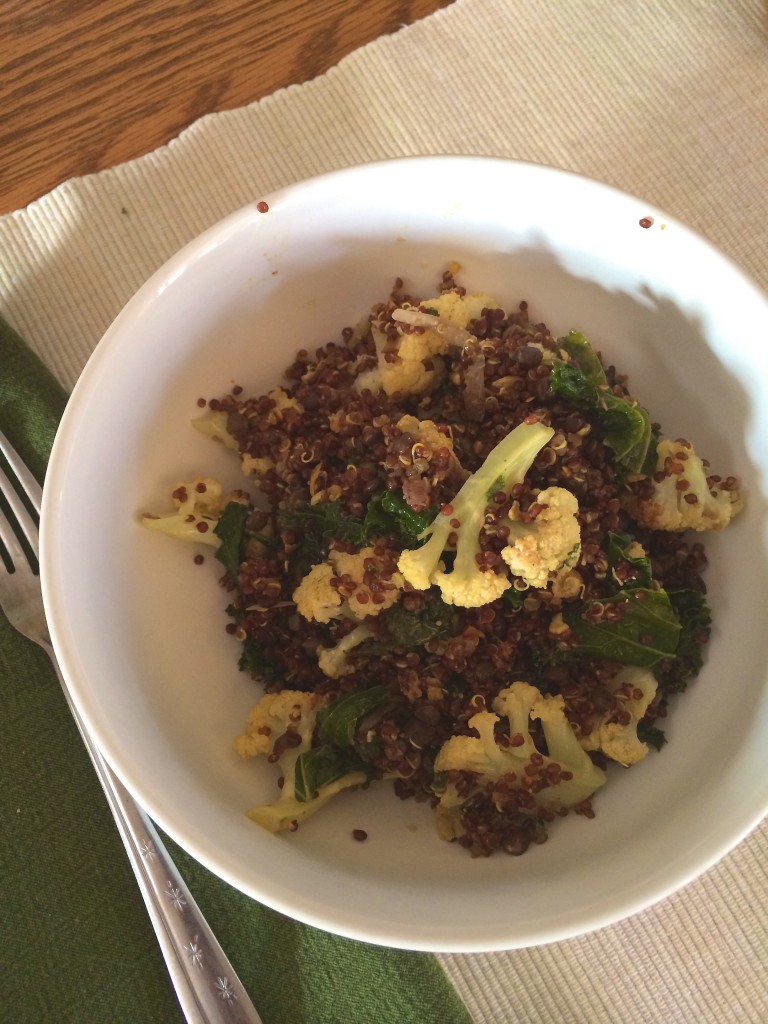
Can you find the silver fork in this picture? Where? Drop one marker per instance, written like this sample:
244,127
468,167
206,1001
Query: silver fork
206,986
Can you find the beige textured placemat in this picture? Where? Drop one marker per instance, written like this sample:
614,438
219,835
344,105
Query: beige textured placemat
667,100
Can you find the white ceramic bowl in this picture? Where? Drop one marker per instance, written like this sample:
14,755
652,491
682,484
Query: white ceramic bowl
139,628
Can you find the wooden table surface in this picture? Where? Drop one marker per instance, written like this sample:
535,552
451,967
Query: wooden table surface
87,84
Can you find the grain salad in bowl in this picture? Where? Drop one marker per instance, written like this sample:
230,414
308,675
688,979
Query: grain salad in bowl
466,563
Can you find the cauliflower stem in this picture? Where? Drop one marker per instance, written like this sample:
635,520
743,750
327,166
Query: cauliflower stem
467,585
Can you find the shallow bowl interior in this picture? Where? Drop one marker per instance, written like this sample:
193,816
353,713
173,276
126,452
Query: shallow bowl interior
139,628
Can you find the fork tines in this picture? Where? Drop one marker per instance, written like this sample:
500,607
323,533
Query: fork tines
20,500
29,485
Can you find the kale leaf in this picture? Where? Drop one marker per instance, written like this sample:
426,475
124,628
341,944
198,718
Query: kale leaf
696,621
232,534
317,525
434,620
252,660
320,766
651,735
324,522
391,513
339,751
641,627
337,723
626,426
628,570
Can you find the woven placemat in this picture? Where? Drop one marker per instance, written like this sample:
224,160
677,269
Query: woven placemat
668,101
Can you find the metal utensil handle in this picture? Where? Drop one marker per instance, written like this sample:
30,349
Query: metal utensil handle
206,985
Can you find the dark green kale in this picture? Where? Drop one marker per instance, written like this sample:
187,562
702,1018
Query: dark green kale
252,657
391,513
337,724
320,766
434,620
318,525
339,749
651,735
633,627
233,536
625,425
324,522
696,621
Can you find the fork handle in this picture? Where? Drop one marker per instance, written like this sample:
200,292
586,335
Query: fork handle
208,990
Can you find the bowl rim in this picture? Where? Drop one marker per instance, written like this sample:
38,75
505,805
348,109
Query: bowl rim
53,596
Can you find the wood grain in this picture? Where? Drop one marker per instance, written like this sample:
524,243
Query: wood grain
87,84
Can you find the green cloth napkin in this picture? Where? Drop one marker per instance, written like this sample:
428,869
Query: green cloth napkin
75,941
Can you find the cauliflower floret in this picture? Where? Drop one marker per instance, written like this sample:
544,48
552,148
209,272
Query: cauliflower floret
448,316
198,505
548,546
515,776
334,661
682,496
564,748
404,370
419,566
369,580
460,309
257,466
467,585
270,718
427,434
482,754
315,597
566,585
617,737
446,327
290,715
357,585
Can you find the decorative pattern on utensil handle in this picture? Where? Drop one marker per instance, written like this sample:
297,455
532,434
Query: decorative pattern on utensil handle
208,990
